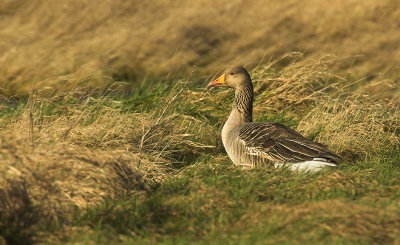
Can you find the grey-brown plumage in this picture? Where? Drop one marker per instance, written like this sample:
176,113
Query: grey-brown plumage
253,143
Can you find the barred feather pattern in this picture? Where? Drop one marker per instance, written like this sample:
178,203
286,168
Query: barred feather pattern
274,142
244,102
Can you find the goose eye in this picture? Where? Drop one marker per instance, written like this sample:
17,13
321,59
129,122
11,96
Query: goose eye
231,73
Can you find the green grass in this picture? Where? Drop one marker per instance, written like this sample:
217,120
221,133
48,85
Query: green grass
212,201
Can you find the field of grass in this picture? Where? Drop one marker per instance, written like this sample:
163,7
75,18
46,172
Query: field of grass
109,136
47,44
149,166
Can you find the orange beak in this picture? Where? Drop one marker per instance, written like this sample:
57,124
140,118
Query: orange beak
219,82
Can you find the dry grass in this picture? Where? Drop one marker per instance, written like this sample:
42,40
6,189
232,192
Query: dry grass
60,178
296,84
70,152
355,125
61,44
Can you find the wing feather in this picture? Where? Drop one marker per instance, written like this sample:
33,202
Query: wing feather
279,143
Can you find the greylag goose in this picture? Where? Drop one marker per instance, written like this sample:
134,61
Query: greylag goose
251,143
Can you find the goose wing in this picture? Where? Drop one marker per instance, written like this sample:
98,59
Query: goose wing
279,143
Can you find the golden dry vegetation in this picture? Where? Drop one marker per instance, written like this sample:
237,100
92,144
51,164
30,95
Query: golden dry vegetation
52,43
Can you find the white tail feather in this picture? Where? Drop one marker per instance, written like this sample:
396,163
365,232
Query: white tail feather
312,166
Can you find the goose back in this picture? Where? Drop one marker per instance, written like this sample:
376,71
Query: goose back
268,143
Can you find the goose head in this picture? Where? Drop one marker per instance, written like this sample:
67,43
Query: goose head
235,78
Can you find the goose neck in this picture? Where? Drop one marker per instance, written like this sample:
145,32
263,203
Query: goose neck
242,109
